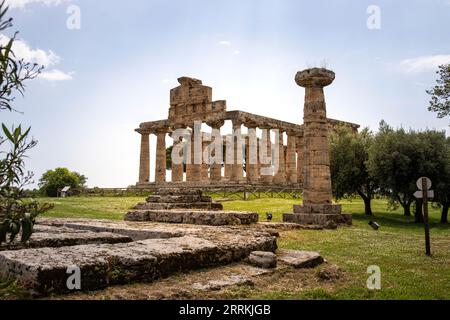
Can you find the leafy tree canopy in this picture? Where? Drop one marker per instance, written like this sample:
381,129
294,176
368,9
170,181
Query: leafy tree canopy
54,180
440,94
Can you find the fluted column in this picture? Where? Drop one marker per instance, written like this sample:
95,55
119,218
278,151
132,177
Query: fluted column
161,158
280,174
216,166
237,173
228,140
291,162
266,169
205,165
144,167
196,166
252,156
300,158
177,169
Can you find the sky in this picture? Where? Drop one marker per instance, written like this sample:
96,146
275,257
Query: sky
109,65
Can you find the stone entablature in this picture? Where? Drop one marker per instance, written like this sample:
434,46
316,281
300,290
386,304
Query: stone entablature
190,103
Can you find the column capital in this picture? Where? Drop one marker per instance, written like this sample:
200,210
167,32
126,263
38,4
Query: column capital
237,123
216,124
315,78
143,132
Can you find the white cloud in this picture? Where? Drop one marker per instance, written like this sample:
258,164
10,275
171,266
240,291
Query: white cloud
22,3
23,51
424,63
236,52
41,57
56,75
225,43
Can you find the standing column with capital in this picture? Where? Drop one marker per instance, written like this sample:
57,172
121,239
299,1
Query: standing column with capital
280,175
144,167
317,205
161,157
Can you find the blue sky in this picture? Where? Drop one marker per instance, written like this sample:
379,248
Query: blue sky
116,71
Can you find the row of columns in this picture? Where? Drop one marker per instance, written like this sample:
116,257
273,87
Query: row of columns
259,168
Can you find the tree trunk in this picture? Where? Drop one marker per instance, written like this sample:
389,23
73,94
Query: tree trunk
445,208
419,211
367,203
407,209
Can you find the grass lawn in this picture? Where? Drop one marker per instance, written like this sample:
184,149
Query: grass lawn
397,248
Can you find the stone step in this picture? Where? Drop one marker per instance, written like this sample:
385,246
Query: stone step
179,205
178,199
212,218
64,237
45,271
179,191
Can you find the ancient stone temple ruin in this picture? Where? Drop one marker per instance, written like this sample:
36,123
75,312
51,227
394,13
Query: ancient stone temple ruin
261,162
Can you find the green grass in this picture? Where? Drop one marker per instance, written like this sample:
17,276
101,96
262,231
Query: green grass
397,248
91,207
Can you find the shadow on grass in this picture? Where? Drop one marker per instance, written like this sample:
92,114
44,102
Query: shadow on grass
397,221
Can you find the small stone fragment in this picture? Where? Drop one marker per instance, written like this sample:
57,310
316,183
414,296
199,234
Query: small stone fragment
300,259
330,273
267,260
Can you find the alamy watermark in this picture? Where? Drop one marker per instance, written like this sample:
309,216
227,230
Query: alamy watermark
374,280
239,149
74,280
374,19
73,21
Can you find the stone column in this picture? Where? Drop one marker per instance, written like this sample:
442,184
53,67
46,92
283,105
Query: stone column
177,169
189,156
144,167
196,166
205,165
280,174
266,169
252,155
216,168
237,171
161,159
291,162
300,158
228,156
317,205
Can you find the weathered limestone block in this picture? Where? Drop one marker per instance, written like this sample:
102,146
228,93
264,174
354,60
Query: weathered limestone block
300,259
261,259
318,208
179,191
44,271
179,205
212,218
55,238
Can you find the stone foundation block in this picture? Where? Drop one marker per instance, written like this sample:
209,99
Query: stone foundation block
318,208
211,218
322,219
